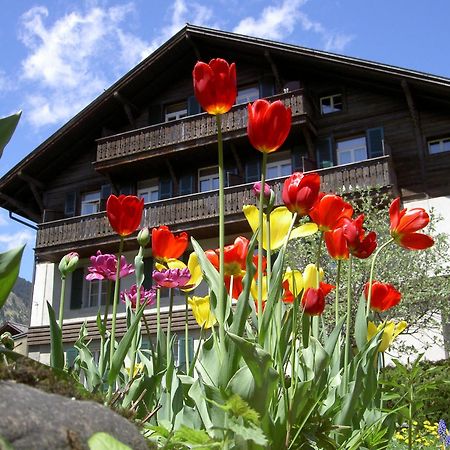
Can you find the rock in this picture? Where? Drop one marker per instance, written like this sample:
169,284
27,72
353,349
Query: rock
31,419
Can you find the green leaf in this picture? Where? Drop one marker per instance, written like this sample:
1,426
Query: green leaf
361,324
7,127
124,345
56,345
104,441
9,271
190,436
249,432
86,359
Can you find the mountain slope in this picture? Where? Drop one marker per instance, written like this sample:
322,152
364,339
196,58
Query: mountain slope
18,305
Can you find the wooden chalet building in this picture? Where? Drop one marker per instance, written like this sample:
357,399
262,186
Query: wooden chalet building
358,123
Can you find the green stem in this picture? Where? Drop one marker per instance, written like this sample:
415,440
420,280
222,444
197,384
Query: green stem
372,267
347,324
319,251
135,337
261,242
108,296
61,302
186,334
268,253
169,327
114,314
221,300
150,343
338,280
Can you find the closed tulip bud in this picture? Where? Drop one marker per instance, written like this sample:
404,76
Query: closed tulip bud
143,237
68,264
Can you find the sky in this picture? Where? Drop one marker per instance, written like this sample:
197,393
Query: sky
56,55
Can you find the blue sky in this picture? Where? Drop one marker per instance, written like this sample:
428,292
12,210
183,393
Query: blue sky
56,56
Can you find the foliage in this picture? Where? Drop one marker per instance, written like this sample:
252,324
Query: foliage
421,276
9,271
104,441
432,403
424,436
7,126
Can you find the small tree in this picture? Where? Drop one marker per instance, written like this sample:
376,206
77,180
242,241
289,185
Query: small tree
423,277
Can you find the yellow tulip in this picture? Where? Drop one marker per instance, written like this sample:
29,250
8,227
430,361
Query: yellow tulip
280,221
201,308
310,276
295,279
390,331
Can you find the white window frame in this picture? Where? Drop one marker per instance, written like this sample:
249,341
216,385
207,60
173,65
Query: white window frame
279,165
101,295
441,143
90,198
147,192
176,111
208,177
332,99
352,150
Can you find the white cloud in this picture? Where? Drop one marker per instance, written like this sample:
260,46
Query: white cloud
70,59
5,83
13,240
277,22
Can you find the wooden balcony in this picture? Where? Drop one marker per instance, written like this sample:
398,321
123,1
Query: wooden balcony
185,133
198,213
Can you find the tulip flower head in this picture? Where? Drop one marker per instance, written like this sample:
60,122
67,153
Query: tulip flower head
268,125
172,278
359,244
68,263
313,300
404,226
104,266
390,331
147,296
384,296
300,192
165,245
215,85
124,213
201,309
329,211
336,243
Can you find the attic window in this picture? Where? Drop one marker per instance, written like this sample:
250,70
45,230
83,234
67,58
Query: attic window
439,146
331,104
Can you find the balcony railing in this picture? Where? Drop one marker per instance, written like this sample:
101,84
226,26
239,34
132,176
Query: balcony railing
183,131
195,210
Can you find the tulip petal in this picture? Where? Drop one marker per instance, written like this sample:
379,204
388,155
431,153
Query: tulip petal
307,229
252,215
416,241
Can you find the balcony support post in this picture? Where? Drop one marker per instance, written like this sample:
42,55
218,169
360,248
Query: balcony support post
275,72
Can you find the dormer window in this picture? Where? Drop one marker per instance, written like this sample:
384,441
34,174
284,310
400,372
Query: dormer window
176,111
331,104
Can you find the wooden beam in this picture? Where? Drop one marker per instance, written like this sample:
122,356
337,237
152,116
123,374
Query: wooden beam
33,185
415,118
127,106
309,143
28,212
194,47
31,179
172,175
276,74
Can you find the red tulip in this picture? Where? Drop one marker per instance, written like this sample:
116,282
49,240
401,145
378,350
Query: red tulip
329,211
384,296
313,300
336,243
359,244
165,245
215,85
300,192
268,125
234,259
124,213
405,223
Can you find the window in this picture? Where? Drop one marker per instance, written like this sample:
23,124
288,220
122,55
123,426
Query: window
439,146
208,179
279,169
351,150
247,94
148,190
176,111
97,291
331,104
90,203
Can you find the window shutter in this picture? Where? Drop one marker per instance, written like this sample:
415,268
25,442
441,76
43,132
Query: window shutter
324,153
105,192
154,114
70,205
76,290
266,87
252,171
71,354
186,185
375,138
165,188
193,107
148,269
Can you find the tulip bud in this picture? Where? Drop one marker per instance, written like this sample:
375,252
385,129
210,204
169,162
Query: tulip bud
143,237
68,264
7,341
257,190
